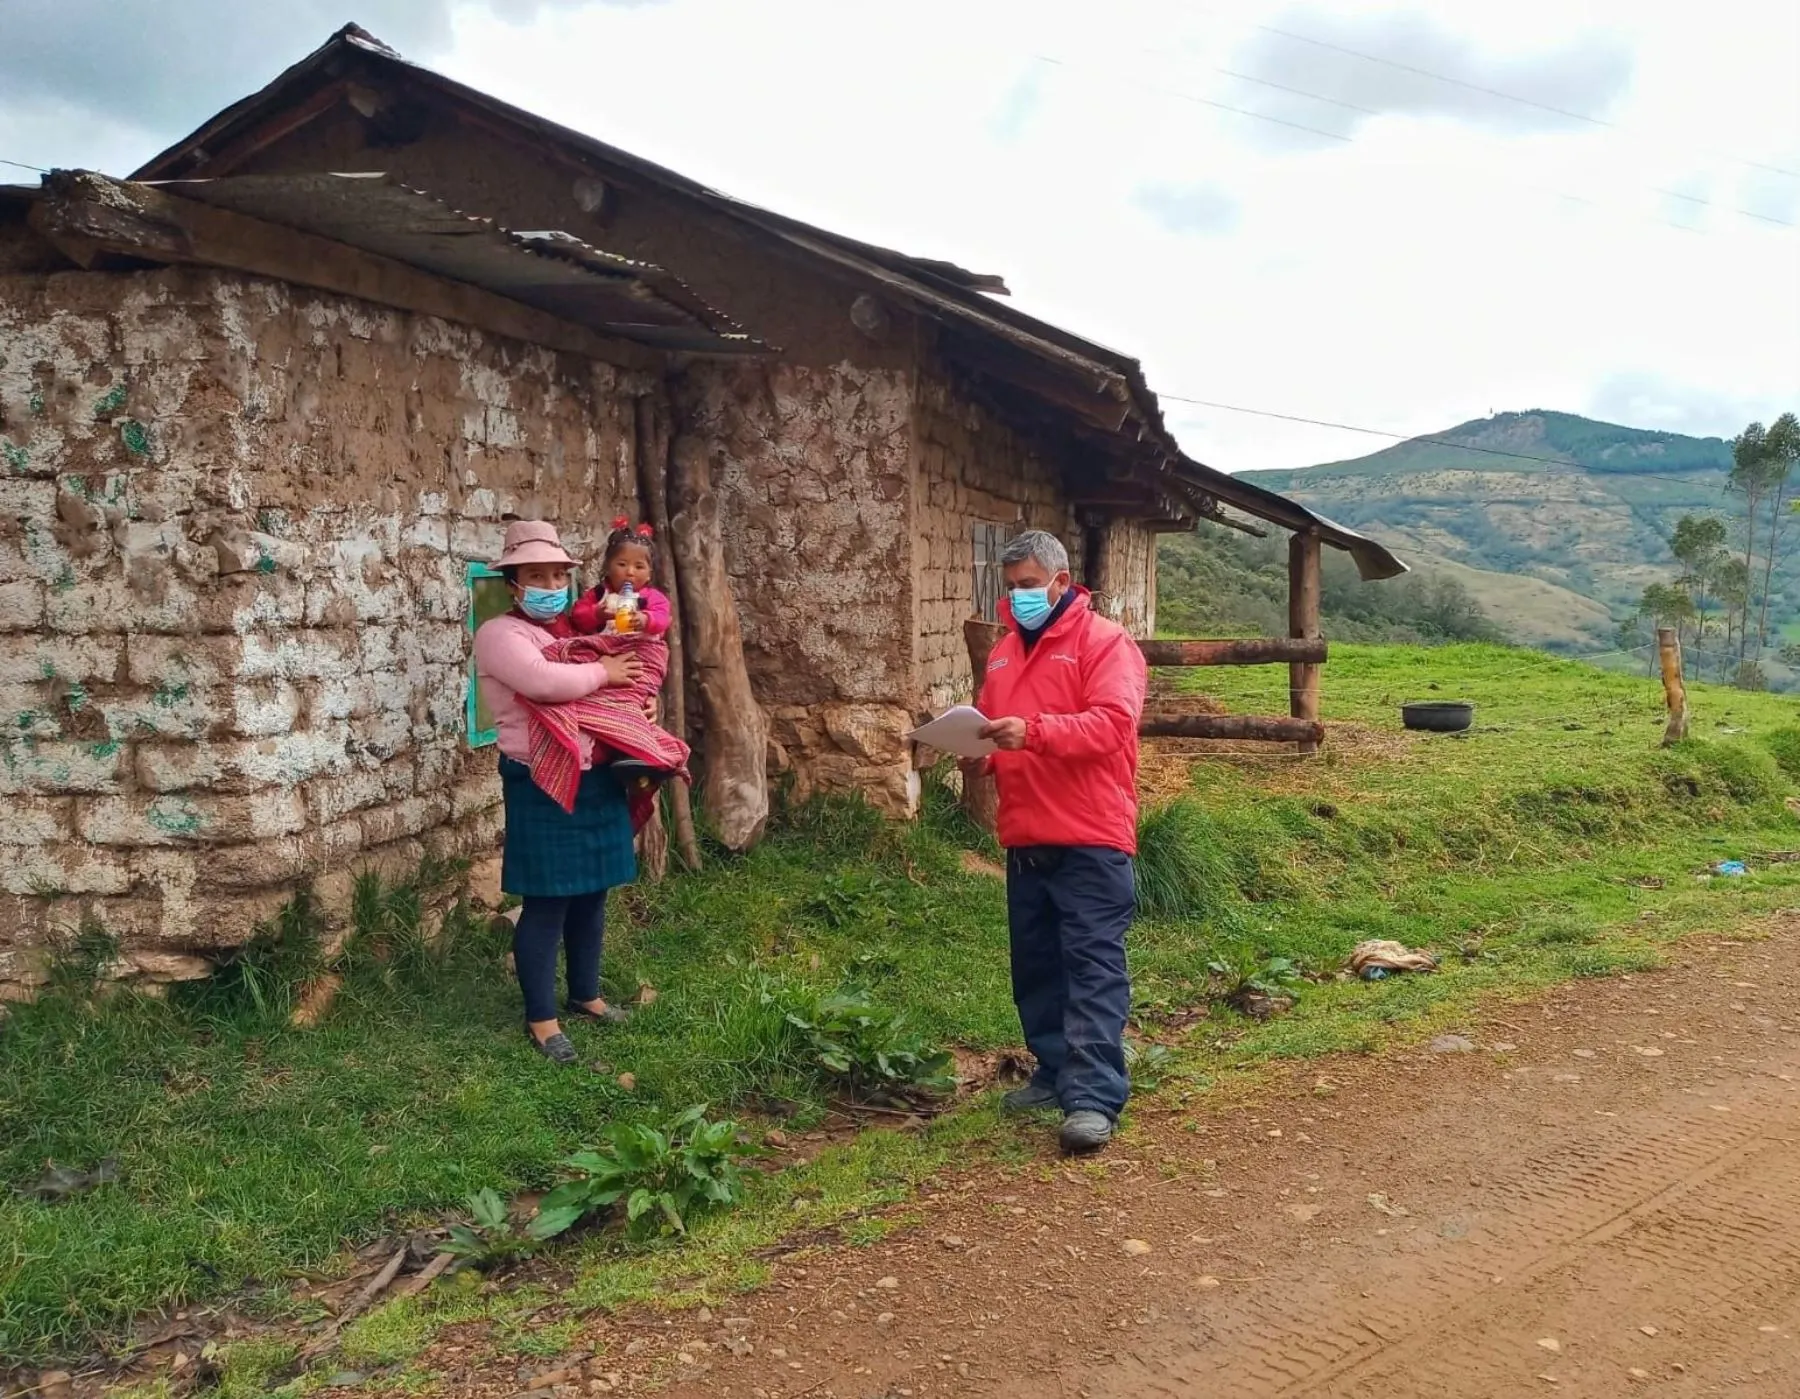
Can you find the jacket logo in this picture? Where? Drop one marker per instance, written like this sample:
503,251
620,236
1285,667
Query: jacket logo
1059,656
997,663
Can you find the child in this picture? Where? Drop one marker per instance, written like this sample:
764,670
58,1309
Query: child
625,606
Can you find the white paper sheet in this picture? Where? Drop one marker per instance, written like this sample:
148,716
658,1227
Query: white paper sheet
956,731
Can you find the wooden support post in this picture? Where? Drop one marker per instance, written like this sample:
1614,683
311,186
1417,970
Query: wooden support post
1668,650
1250,650
1303,624
735,788
980,798
653,440
1308,733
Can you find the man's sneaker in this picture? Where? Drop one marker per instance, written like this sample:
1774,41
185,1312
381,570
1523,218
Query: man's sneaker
1033,1097
1085,1131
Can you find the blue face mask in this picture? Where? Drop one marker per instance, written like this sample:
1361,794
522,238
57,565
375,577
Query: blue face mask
1030,607
544,604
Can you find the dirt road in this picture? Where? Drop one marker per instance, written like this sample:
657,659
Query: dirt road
1598,1197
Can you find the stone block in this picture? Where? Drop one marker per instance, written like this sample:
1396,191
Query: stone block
48,873
50,766
250,551
25,658
476,792
183,660
192,819
21,606
312,654
403,819
170,711
873,733
245,601
169,966
35,821
264,707
331,799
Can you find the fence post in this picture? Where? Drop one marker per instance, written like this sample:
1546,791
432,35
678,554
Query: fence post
1668,651
1303,624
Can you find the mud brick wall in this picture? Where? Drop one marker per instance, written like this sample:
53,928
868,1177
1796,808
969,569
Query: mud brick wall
1124,578
970,469
813,469
235,520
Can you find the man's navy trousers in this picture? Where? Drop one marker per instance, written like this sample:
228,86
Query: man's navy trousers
1068,907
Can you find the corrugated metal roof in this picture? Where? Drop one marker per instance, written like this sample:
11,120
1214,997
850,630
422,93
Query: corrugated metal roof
939,289
549,270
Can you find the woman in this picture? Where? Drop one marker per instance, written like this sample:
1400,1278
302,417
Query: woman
560,864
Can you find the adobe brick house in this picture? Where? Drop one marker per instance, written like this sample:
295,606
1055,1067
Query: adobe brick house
262,424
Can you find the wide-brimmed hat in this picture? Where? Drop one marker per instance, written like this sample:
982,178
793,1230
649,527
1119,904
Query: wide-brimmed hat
532,541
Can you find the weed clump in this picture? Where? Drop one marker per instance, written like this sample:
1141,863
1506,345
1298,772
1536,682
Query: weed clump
1784,747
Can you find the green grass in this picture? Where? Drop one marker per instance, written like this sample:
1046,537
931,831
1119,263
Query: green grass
247,1149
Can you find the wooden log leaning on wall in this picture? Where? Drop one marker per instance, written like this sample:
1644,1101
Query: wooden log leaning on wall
980,797
734,789
653,442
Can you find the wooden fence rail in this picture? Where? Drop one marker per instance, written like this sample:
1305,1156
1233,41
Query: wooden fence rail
1248,650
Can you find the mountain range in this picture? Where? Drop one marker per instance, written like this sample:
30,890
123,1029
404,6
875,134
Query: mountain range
1553,522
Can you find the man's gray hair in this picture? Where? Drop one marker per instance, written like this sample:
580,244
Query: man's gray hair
1041,547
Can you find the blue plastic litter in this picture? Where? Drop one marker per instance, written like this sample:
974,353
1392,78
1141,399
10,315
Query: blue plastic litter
1375,973
1731,867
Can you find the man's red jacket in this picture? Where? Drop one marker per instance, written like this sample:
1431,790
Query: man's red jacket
1080,690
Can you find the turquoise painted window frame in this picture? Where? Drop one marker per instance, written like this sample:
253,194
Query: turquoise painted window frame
477,737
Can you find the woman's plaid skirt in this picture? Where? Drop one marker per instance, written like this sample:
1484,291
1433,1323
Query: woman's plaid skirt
554,854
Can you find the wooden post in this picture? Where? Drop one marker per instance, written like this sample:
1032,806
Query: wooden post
653,440
981,799
735,787
1253,727
1303,624
1668,650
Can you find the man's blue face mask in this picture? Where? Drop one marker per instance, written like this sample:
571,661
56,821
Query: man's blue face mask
1030,607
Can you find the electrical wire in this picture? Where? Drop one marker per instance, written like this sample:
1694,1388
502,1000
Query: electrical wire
1347,139
19,164
1563,462
1586,117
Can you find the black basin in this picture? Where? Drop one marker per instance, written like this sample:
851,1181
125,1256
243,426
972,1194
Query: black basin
1438,716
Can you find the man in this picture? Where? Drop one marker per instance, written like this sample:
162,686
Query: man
1063,693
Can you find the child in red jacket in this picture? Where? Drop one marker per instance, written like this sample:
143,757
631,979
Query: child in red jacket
625,605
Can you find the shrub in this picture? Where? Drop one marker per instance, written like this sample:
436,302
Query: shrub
489,1239
1183,869
868,1048
664,1177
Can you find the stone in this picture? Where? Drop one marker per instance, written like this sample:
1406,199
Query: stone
1451,1044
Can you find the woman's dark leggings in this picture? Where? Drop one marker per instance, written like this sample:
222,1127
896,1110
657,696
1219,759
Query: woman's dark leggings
577,925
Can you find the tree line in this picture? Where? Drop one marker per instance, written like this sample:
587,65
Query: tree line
1719,601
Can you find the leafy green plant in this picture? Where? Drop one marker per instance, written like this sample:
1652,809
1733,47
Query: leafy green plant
869,1048
1148,1064
489,1239
664,1177
849,899
1253,981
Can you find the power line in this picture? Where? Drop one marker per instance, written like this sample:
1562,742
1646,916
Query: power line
1563,462
23,166
1345,139
1586,117
1209,102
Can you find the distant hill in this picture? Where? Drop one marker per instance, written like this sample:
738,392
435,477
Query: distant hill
1588,521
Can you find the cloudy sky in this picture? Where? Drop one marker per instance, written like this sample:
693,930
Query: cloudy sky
1399,216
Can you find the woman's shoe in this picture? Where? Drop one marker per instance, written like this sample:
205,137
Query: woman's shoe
634,771
606,1015
556,1048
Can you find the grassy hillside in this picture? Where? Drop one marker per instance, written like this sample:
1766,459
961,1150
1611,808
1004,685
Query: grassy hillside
1555,840
1217,581
1593,519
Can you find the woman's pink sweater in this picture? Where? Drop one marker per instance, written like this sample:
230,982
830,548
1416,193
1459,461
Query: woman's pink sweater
510,664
